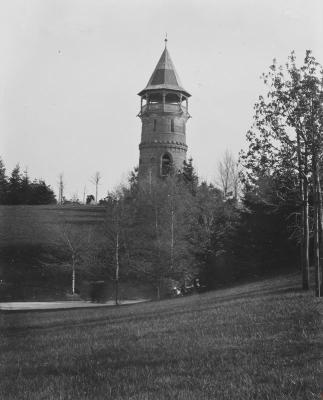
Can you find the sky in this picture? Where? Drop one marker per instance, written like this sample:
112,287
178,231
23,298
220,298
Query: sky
70,72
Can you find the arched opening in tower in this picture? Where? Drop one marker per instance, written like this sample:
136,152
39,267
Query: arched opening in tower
166,164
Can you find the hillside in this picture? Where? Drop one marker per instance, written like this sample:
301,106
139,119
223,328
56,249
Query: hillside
31,235
255,341
36,224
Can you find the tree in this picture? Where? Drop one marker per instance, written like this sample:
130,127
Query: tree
61,189
214,235
15,186
89,199
25,188
114,235
3,183
228,176
285,141
96,181
40,193
76,241
20,190
189,176
160,248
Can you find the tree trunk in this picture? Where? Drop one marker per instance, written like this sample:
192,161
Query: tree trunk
117,292
117,271
73,274
320,214
172,240
306,261
303,193
317,254
316,227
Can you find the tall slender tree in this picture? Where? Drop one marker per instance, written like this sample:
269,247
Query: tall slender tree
3,183
15,186
227,178
96,181
285,141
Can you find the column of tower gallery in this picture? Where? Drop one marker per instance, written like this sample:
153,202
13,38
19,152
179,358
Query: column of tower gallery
164,113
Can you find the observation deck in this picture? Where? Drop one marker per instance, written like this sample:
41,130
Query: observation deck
164,107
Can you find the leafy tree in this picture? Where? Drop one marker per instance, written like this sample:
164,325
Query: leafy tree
159,228
285,145
90,198
265,240
216,221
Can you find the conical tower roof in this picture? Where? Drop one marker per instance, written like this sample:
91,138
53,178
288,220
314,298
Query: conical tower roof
164,76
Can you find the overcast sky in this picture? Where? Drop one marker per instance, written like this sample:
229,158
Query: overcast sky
70,72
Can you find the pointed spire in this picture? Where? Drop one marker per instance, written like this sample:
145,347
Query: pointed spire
165,75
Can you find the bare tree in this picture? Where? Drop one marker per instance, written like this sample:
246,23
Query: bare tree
228,176
96,181
75,198
114,241
84,195
60,189
76,241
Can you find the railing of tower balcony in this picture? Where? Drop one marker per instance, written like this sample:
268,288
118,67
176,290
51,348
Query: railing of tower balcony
163,107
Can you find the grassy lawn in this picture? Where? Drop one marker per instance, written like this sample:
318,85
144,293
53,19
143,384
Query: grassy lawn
255,341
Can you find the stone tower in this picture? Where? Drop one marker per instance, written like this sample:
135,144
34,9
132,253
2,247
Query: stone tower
164,113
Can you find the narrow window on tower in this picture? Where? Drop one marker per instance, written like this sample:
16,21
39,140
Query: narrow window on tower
166,165
172,125
155,124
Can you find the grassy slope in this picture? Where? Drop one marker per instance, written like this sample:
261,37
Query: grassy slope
256,341
37,224
28,234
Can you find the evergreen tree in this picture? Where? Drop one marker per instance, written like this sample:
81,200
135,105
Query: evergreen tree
25,188
3,183
15,186
40,193
20,190
189,176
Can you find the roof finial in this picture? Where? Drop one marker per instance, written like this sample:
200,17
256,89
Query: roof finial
166,40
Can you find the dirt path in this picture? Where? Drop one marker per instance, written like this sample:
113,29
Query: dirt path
57,305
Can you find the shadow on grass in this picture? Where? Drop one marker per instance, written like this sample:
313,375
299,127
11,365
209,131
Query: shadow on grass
179,307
